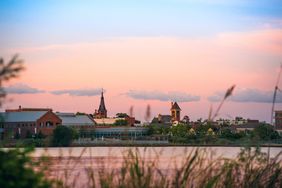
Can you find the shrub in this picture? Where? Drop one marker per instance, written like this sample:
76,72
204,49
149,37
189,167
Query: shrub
63,136
265,132
17,170
121,122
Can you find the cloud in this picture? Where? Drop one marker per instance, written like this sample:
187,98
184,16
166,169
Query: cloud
78,92
248,95
22,89
162,96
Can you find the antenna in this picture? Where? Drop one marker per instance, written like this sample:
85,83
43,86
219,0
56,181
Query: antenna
275,93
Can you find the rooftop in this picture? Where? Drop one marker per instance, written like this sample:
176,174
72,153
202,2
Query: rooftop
71,119
175,106
22,116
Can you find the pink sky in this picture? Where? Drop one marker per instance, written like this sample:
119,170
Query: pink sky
199,66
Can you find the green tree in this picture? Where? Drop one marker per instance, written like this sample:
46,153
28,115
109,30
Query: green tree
40,135
17,135
265,132
121,122
63,136
122,115
28,134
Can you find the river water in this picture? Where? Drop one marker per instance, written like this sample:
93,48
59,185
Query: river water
167,152
73,164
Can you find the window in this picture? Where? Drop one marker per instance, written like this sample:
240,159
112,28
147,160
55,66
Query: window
49,124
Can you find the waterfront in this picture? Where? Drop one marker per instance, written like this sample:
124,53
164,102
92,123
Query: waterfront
168,152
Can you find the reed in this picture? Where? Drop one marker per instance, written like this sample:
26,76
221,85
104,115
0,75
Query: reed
197,169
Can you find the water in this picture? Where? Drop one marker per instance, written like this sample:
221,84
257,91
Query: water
167,152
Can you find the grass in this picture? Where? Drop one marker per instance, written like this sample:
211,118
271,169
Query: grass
142,169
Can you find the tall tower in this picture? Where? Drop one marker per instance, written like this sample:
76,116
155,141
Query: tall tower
102,111
175,111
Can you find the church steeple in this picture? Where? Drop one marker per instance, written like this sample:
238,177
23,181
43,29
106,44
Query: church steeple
175,111
102,111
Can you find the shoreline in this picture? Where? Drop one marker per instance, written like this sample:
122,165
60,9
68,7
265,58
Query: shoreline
154,145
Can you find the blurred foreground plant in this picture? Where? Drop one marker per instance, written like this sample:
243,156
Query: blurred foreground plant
228,94
197,169
17,170
9,70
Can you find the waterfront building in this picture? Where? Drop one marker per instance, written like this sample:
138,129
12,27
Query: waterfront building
22,122
77,121
123,133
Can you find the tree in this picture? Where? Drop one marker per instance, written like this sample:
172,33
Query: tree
28,134
122,115
121,122
265,132
40,135
63,136
17,135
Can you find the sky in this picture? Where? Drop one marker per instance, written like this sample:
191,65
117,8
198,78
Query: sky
148,52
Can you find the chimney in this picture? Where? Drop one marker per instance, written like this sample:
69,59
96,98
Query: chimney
20,107
171,104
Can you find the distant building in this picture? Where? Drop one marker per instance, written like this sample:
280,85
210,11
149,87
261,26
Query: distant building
102,111
130,121
32,121
173,118
236,121
76,121
175,112
278,119
104,121
223,121
162,119
20,109
241,121
250,126
123,133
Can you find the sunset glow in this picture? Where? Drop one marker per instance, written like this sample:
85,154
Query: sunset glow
144,52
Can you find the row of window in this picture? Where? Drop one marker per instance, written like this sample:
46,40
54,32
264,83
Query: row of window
42,124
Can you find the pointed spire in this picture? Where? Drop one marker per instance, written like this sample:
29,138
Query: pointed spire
102,108
175,106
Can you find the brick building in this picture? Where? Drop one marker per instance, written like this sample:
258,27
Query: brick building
278,119
175,112
22,121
